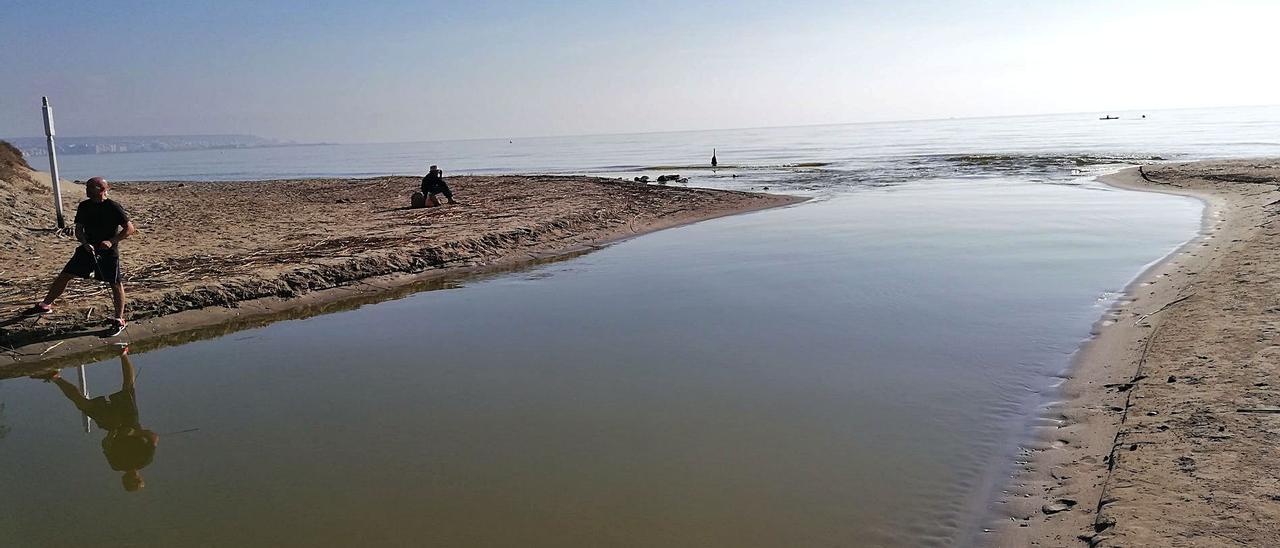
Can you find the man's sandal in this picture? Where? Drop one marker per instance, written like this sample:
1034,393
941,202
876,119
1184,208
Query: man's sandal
115,329
46,376
38,309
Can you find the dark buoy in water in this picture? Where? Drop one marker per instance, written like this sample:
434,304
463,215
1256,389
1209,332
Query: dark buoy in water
713,158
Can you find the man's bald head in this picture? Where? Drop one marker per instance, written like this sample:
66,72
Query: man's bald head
96,189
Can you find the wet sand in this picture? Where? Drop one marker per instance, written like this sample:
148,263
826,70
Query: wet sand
1167,430
211,253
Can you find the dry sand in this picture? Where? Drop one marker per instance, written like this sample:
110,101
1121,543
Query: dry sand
1167,432
211,253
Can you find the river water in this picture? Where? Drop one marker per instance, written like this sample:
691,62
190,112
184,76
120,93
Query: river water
858,370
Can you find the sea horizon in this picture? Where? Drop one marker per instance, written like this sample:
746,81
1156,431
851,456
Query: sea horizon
327,142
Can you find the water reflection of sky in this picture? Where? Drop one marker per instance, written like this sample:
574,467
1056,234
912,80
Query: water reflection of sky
846,370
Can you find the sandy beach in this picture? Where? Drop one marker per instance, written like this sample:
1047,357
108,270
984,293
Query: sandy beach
210,255
1165,435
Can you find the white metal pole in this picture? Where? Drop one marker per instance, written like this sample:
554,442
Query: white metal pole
53,160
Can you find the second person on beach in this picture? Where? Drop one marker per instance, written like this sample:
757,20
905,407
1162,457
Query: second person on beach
434,184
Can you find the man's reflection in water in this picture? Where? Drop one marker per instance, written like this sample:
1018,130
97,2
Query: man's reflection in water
128,446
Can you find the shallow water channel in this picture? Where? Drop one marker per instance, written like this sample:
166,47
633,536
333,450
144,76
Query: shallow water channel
857,370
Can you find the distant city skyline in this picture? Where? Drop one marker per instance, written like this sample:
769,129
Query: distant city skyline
408,71
115,144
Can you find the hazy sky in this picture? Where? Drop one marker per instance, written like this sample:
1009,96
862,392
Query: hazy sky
401,71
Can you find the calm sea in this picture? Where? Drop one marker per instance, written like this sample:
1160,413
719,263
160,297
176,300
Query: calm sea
832,157
857,370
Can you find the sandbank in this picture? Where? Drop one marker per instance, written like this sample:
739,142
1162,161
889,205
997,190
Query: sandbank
1166,430
213,257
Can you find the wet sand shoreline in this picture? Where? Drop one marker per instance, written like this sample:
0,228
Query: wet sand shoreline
212,253
1148,445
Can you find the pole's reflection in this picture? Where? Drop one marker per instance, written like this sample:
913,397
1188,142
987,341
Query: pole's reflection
84,391
128,446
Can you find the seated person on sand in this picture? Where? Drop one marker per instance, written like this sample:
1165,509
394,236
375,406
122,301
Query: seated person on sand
100,225
434,184
128,446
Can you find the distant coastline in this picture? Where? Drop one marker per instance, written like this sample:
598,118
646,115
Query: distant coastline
37,146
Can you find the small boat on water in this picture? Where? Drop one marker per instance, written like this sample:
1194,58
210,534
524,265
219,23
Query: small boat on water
1109,118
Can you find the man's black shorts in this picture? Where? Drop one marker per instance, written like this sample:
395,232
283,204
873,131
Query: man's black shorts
106,268
113,412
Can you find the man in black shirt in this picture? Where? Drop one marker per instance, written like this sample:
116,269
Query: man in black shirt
434,184
100,225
